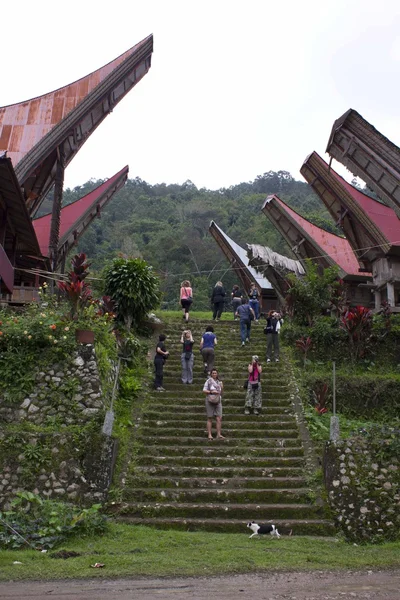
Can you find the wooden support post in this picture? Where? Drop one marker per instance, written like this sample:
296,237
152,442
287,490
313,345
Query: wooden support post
377,294
56,211
390,294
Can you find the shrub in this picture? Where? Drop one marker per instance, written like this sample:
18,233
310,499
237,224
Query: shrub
42,523
370,395
134,288
357,323
310,296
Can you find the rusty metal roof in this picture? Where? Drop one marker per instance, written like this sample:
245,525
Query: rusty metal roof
31,131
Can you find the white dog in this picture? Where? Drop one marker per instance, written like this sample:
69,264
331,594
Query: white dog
263,529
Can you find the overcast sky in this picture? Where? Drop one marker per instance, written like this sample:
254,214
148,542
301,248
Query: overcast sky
235,88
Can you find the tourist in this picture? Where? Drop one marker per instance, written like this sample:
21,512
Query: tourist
207,345
245,314
253,393
272,329
213,388
236,296
187,357
217,300
186,298
253,301
159,360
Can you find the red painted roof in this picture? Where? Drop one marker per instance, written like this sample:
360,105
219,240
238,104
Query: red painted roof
383,216
24,124
71,214
336,247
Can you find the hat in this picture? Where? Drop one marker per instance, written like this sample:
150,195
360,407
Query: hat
255,357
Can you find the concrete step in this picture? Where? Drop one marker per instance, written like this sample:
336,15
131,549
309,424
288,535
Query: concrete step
143,481
216,471
230,496
210,510
223,461
272,430
189,411
250,422
299,527
270,442
218,450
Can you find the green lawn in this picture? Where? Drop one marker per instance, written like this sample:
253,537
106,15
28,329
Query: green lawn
139,551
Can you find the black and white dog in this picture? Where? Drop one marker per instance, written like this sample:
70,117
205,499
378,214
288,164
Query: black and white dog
263,530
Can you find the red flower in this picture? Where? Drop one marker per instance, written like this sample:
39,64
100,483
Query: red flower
53,327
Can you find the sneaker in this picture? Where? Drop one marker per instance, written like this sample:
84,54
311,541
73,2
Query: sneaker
268,360
246,411
277,360
256,412
247,340
160,389
243,344
256,321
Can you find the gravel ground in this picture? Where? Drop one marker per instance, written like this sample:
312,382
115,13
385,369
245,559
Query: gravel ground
316,585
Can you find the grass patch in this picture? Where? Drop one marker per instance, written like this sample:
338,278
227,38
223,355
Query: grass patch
141,551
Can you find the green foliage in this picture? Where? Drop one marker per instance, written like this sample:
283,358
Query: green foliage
42,523
167,225
132,284
310,296
368,395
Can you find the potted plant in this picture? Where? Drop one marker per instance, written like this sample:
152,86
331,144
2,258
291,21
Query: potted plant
77,292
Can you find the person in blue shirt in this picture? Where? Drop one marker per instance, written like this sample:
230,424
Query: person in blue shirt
245,314
207,345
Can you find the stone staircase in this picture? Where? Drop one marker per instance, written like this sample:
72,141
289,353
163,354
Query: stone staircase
178,479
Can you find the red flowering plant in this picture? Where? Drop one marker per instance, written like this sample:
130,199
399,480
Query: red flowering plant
76,290
357,323
320,394
304,344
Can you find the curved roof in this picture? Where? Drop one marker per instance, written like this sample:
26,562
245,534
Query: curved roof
369,154
78,215
371,227
35,131
232,250
328,248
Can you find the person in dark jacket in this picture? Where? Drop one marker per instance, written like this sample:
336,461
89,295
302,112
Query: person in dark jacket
159,360
217,300
236,296
273,326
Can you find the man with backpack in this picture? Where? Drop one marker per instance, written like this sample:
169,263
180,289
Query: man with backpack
245,314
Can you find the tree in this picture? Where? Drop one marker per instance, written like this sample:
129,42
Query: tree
134,287
311,295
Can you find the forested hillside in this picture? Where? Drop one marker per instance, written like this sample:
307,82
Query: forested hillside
168,226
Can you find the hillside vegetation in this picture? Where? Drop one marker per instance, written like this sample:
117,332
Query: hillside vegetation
167,225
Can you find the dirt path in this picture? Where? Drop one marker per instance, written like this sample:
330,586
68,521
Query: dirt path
275,586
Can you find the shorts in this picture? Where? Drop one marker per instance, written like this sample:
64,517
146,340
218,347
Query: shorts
213,410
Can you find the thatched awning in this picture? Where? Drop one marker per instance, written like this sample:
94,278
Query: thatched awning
261,257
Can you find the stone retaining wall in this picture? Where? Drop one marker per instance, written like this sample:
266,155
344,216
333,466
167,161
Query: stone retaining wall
362,477
51,442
